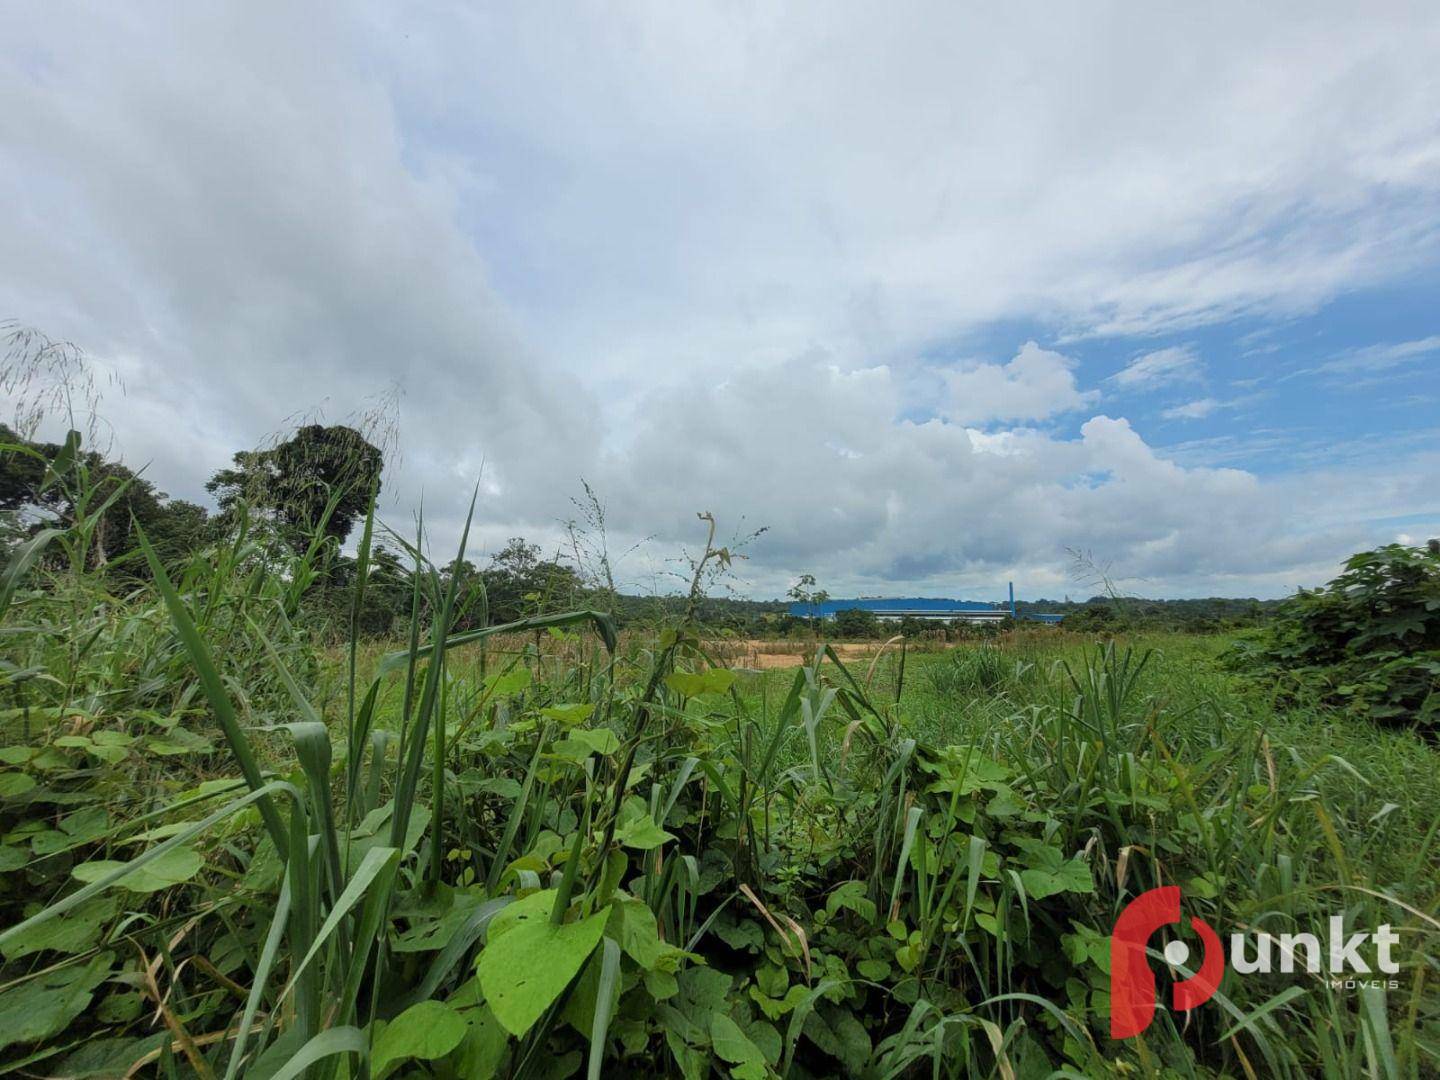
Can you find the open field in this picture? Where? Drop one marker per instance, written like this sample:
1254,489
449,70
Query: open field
761,655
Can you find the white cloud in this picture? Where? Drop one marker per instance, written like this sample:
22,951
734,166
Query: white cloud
1192,410
1378,359
935,508
1179,363
1033,385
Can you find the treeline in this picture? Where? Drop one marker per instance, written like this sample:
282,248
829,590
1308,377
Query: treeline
303,495
32,496
1211,614
771,618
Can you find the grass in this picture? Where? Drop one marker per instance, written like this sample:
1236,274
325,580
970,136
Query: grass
230,848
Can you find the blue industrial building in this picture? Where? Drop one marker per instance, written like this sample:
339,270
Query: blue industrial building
923,608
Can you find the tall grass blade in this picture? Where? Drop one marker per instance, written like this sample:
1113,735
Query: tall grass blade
215,693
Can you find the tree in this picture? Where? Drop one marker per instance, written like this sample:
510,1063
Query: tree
175,527
856,623
387,598
518,582
805,593
295,481
915,628
1099,616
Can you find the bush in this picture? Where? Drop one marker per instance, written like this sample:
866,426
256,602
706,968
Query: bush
1095,618
855,623
1369,640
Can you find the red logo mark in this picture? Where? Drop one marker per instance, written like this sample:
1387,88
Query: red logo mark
1132,983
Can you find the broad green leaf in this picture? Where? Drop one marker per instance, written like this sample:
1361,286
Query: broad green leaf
472,782
1051,872
1070,876
772,980
731,1045
50,759
431,934
588,741
569,715
164,832
633,925
112,738
371,834
119,1008
693,1063
425,1031
764,1035
507,683
1005,803
48,842
661,984
775,1008
15,783
696,683
964,777
482,1050
851,895
45,1006
178,741
176,865
744,934
527,961
642,833
86,824
841,1035
76,931
99,1058
703,990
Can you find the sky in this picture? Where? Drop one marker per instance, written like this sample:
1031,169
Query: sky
933,293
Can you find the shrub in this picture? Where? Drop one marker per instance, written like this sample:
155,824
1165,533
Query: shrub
856,623
1095,618
1369,640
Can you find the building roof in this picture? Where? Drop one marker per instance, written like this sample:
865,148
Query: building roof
890,605
899,606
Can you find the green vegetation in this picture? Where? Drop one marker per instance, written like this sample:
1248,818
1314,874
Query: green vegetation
241,836
319,474
1369,641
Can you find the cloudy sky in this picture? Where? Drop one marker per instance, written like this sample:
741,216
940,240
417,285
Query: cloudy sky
933,291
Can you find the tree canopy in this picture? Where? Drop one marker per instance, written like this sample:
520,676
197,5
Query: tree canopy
174,526
295,481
